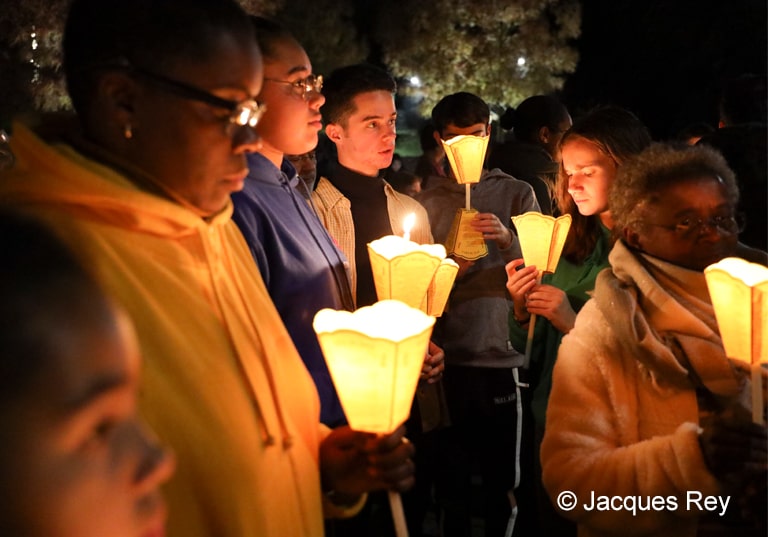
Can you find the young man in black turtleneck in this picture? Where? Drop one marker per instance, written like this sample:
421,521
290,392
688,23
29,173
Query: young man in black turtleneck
354,202
357,206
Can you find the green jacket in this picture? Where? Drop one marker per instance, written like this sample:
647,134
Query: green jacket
578,282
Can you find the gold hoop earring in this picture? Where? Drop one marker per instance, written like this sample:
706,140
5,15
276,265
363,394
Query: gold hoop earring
128,131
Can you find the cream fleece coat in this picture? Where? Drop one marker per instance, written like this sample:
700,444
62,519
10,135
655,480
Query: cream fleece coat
623,413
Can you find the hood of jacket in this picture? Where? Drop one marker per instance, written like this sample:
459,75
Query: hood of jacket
56,174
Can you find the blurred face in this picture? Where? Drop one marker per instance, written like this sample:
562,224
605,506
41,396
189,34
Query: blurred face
306,165
551,140
292,120
190,147
590,175
80,462
691,225
367,143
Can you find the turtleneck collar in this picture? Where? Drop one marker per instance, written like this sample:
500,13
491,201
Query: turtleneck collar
355,185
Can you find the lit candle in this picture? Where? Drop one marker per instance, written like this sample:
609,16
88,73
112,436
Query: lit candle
408,222
375,355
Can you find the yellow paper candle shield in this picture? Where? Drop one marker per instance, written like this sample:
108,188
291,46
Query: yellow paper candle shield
402,270
463,240
739,293
466,155
375,356
542,238
440,288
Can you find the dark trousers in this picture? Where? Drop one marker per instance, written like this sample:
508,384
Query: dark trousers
551,522
477,452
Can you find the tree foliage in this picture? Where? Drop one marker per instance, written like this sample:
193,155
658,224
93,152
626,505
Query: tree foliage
480,46
327,31
30,40
452,45
30,53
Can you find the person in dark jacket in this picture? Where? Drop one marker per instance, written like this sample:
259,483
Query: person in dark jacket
531,155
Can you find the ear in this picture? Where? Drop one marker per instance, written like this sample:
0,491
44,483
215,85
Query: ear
488,129
436,136
112,110
118,93
333,131
631,238
544,134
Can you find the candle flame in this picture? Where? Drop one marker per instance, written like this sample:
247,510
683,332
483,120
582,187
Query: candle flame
408,222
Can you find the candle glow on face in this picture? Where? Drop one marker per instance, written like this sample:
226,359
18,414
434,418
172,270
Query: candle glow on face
408,223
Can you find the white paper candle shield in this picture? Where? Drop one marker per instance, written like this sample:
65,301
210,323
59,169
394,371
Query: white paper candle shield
375,356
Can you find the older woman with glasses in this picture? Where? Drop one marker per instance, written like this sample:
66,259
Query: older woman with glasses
165,96
646,417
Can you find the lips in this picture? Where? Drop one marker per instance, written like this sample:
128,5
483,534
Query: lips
237,178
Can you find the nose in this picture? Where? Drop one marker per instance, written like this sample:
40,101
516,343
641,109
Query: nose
316,100
390,133
574,183
156,463
709,231
246,139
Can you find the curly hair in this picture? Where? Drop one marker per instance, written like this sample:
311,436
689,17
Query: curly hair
642,180
346,83
617,133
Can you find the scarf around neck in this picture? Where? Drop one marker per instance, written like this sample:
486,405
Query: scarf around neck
666,321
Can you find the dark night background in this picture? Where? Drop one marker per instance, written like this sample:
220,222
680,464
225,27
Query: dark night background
663,59
666,59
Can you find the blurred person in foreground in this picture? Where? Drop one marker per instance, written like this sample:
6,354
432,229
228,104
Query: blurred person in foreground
645,404
75,461
140,188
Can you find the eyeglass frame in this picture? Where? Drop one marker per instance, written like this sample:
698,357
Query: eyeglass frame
304,85
735,224
237,108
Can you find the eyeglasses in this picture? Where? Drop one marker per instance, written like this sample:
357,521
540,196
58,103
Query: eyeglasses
304,156
303,86
247,112
691,227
